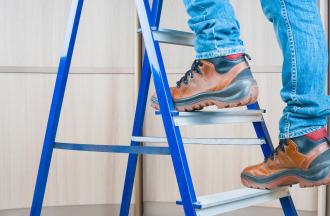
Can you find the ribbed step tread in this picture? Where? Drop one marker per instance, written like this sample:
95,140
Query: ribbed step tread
215,204
203,141
217,117
237,195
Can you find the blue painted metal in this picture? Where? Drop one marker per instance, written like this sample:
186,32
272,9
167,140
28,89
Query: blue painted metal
288,206
56,105
173,113
166,107
262,132
114,148
156,12
139,117
197,204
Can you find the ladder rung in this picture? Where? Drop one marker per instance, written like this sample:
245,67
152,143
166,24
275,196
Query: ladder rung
171,36
215,204
216,117
114,148
203,141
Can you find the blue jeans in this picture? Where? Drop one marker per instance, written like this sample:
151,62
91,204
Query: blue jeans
301,36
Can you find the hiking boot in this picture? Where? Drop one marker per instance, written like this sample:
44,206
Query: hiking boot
303,160
222,81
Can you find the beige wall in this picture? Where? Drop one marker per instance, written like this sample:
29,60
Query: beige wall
98,105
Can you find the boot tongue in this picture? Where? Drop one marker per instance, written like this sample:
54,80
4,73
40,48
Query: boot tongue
309,141
318,134
223,64
234,56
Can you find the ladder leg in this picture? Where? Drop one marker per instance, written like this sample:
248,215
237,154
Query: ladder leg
139,117
262,132
179,159
55,109
288,206
137,131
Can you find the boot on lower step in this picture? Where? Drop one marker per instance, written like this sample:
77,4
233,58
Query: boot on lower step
303,160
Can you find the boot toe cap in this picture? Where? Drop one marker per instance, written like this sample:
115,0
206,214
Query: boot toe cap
255,171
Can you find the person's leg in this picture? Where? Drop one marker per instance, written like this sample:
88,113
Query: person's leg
303,155
216,28
300,33
220,75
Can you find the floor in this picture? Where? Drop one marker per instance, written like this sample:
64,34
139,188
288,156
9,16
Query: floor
165,209
151,209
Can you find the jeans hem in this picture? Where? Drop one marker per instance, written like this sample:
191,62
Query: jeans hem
300,132
220,52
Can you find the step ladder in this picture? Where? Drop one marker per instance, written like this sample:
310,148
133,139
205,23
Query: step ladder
153,64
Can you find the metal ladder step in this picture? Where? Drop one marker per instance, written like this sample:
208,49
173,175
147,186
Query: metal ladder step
113,148
215,204
216,117
171,36
203,141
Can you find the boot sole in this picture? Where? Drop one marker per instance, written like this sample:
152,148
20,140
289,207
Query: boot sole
314,176
249,99
286,181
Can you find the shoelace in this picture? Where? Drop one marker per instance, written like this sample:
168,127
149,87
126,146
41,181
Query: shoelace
195,69
247,56
190,73
280,147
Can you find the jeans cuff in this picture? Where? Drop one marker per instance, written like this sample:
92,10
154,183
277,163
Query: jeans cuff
220,52
299,132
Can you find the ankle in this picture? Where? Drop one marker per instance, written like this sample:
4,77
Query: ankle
234,57
223,64
317,135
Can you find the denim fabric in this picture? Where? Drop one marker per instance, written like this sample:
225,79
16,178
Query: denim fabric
216,28
301,37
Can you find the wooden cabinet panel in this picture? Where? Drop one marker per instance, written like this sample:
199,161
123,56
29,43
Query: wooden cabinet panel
97,109
32,34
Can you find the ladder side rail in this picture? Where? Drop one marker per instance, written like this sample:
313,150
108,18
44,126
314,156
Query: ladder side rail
288,206
137,130
262,132
156,12
166,106
139,117
56,105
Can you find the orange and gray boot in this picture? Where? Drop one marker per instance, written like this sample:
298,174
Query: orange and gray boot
303,160
222,81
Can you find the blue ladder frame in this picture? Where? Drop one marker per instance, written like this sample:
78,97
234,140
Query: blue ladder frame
152,64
